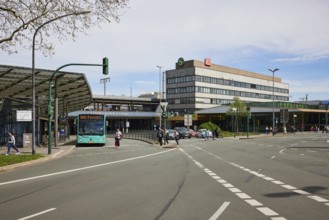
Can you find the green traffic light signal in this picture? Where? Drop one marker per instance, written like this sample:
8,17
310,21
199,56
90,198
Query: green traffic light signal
105,66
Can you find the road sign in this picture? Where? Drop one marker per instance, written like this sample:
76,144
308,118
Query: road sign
188,120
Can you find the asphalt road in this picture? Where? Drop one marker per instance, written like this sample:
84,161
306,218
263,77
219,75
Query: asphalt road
280,177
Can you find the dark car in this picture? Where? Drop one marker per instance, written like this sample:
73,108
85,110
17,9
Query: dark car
183,132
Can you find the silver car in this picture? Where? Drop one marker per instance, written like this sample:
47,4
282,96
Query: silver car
201,133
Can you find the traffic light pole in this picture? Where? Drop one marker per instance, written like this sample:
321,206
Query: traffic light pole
50,108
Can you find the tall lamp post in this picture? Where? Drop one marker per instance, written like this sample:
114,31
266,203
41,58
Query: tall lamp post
273,116
159,90
33,74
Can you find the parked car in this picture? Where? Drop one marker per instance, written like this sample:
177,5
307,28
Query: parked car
201,133
192,132
183,132
171,134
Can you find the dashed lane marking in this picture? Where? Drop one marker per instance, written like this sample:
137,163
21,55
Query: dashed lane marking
245,197
270,179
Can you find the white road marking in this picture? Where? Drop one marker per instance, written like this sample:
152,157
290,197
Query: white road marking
228,185
253,202
272,157
278,218
318,198
277,182
219,211
83,168
281,151
243,195
37,214
268,178
235,190
302,192
288,187
267,211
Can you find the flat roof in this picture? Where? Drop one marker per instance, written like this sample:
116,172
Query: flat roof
73,88
201,64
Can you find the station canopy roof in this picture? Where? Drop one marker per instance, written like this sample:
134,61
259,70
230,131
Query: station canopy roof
72,88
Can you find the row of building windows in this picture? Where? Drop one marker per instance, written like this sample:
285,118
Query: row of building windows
212,80
194,89
198,100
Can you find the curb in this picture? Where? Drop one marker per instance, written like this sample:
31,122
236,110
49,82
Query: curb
59,154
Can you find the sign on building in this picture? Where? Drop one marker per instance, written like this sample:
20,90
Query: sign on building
24,115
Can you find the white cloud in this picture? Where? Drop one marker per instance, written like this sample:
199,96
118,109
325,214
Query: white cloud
154,32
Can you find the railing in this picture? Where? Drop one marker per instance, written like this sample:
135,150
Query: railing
144,135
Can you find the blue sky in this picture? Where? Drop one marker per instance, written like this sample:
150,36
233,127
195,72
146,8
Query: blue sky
252,35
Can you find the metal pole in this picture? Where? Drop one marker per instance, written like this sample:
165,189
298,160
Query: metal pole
234,124
159,90
50,97
273,116
33,67
105,80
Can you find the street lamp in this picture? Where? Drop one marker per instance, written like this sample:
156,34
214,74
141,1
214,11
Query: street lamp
234,110
159,82
159,90
273,116
33,75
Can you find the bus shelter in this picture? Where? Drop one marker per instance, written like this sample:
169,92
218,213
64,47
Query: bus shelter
70,92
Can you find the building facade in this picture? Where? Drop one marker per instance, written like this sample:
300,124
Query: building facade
196,85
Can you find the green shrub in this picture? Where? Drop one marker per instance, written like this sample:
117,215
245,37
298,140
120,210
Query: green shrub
209,125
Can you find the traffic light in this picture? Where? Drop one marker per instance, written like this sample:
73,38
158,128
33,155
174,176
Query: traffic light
50,111
105,66
164,115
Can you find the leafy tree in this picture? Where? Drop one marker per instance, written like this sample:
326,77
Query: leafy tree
209,125
20,18
241,110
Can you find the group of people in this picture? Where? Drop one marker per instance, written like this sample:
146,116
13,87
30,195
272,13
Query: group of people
163,136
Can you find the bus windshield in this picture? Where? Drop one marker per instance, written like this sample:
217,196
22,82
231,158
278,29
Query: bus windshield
91,125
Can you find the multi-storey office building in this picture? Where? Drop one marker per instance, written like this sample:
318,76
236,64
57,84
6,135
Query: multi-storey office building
196,85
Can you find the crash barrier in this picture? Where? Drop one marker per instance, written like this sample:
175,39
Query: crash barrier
144,135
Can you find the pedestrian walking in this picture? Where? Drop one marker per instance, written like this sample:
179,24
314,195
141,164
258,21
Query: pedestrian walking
215,134
160,136
176,137
117,137
206,135
12,143
166,137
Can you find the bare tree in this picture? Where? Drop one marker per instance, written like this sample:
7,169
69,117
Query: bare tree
20,18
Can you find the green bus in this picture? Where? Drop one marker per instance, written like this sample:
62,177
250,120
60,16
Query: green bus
91,129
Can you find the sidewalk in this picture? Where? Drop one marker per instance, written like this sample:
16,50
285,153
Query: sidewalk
56,152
